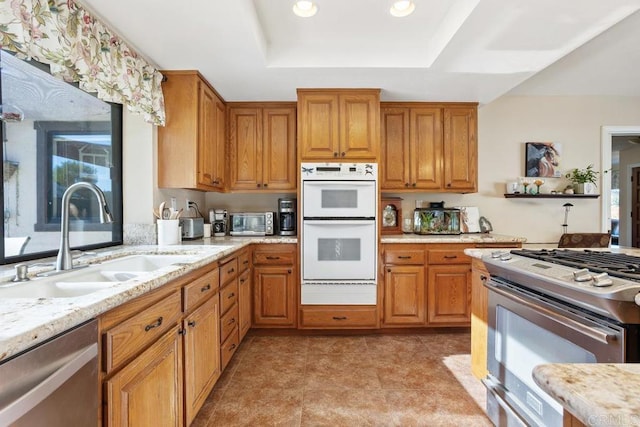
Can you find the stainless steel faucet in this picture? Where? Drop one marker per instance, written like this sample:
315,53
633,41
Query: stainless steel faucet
64,260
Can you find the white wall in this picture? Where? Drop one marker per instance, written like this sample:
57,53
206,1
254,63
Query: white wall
503,127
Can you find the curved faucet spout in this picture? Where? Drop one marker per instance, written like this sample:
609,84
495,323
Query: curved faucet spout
64,260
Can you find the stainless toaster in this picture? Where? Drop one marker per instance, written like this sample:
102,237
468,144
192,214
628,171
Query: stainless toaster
192,228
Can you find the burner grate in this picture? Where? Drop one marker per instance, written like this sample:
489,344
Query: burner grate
615,264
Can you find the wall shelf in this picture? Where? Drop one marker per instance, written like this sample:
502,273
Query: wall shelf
551,196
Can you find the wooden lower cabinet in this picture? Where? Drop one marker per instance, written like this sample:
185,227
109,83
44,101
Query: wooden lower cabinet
404,295
338,317
201,355
156,373
449,294
244,303
479,316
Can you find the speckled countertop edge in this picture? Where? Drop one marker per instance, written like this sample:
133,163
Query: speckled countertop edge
451,238
25,322
598,394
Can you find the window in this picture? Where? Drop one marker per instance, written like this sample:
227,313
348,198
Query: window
53,135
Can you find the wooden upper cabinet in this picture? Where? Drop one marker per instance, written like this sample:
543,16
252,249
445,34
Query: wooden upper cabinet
336,124
191,146
460,149
428,147
262,146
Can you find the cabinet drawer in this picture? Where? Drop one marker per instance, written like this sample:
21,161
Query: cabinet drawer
228,271
228,348
399,256
448,256
228,322
273,257
243,261
336,317
228,296
200,289
130,337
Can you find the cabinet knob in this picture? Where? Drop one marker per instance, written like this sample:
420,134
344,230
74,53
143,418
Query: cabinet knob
258,185
182,332
343,154
448,184
215,181
335,154
289,271
191,323
483,278
388,270
406,184
266,185
413,185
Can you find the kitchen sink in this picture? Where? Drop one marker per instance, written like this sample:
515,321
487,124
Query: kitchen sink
84,281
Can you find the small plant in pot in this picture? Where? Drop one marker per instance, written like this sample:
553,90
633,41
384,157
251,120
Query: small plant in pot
583,180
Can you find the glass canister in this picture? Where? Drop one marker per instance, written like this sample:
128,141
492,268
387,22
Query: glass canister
436,221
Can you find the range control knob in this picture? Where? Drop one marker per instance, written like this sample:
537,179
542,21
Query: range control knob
582,275
505,256
496,254
602,280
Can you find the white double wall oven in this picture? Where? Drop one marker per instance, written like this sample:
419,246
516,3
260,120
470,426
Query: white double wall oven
339,233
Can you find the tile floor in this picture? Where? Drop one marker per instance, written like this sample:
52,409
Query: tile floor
369,380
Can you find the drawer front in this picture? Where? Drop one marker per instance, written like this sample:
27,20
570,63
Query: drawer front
446,256
130,337
338,317
228,271
228,322
243,261
399,256
273,257
228,348
228,296
200,289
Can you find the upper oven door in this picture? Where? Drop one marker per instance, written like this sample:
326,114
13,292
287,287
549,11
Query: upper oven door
339,199
339,250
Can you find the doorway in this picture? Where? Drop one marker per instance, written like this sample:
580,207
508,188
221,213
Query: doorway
614,140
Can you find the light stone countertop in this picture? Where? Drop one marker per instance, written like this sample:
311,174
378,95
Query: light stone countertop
598,394
25,322
451,238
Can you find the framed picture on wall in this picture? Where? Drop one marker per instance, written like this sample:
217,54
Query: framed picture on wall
542,159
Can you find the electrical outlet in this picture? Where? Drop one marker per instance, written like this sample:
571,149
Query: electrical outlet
188,205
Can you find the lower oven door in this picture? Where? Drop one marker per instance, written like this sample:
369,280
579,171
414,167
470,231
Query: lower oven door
339,250
526,330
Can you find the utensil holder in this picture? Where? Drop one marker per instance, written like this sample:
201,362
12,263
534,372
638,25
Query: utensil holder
168,232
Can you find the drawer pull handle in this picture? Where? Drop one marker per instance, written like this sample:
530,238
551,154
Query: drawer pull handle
231,295
340,318
483,278
245,262
404,256
205,288
450,256
233,347
153,325
191,323
242,280
231,270
231,321
273,257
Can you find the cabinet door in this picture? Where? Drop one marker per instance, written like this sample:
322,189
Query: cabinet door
460,149
245,148
318,125
148,391
425,148
201,355
279,152
206,135
359,125
449,294
274,301
394,146
404,292
220,159
244,302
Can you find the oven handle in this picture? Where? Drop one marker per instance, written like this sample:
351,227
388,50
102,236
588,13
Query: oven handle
597,334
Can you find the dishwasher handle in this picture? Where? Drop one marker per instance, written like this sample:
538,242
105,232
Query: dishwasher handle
25,403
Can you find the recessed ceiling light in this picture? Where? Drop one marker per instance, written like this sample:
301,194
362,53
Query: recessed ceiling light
402,8
305,8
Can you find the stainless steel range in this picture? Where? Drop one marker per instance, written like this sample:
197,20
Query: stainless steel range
555,306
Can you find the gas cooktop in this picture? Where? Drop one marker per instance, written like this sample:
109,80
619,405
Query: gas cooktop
601,281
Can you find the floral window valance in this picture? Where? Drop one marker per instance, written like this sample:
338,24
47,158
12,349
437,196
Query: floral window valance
79,48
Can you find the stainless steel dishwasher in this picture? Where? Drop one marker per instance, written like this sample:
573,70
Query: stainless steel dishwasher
53,384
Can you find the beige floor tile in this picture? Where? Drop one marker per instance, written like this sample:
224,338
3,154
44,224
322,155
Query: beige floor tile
394,344
283,344
337,344
270,370
443,343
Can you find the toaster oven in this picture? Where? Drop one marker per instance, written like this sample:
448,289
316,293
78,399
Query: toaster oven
252,223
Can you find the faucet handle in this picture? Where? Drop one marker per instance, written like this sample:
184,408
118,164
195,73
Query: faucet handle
21,273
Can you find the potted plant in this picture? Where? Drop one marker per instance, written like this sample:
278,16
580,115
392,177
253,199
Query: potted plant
583,180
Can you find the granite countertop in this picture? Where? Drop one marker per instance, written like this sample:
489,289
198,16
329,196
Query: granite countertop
25,322
451,238
598,394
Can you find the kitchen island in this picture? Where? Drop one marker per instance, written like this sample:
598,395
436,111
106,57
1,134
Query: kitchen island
596,394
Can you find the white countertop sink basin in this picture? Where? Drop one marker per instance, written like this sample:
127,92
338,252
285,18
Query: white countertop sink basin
144,263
